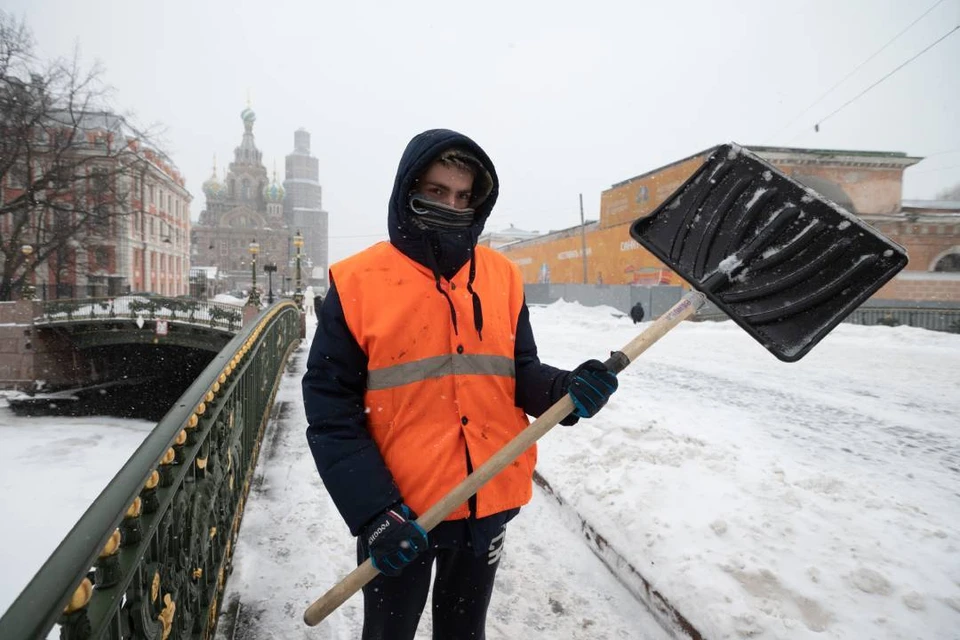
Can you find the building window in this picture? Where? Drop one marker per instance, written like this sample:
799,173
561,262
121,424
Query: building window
949,263
18,175
101,258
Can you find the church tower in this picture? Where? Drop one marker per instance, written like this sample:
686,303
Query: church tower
273,194
302,208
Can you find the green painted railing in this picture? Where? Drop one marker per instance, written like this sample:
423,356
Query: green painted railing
212,314
150,557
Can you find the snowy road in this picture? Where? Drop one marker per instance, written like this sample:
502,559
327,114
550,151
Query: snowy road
774,500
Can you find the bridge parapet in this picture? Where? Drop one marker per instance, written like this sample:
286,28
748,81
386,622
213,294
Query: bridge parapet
150,557
147,307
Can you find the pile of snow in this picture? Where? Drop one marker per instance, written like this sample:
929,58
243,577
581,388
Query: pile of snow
773,500
225,297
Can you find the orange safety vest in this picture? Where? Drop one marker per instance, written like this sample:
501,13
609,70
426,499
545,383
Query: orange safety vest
434,397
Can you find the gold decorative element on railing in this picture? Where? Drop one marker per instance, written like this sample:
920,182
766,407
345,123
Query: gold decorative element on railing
155,587
113,544
201,463
197,573
216,387
201,408
134,510
153,480
166,616
80,597
193,421
208,397
169,456
181,437
213,531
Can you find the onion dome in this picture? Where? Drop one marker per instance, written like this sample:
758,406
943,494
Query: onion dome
274,192
213,188
248,115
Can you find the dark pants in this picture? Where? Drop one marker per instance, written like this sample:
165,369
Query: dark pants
461,590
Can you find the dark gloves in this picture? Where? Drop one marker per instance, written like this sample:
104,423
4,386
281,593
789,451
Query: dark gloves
393,539
591,385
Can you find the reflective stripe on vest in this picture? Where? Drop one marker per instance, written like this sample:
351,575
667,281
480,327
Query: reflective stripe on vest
438,366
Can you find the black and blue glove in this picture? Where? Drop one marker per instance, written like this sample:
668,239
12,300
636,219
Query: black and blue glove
393,539
591,385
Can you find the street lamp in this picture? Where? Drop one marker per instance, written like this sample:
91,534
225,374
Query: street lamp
270,269
254,248
298,294
26,290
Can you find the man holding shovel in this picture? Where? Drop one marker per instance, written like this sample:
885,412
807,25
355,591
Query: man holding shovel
423,366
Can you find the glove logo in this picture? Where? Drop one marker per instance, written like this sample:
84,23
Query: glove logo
376,533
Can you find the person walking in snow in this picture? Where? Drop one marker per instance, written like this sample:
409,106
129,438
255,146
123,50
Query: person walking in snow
308,298
423,366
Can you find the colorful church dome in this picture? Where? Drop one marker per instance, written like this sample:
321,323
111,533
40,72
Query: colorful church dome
248,115
274,192
213,188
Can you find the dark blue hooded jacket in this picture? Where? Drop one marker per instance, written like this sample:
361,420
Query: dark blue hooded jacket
347,458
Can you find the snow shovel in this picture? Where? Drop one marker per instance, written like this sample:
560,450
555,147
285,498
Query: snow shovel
784,263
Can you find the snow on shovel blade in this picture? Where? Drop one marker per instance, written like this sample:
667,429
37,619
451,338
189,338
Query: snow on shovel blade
782,261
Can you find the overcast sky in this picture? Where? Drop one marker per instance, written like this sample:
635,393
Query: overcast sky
567,97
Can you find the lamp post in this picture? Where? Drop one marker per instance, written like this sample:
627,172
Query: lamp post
26,291
254,248
298,294
270,269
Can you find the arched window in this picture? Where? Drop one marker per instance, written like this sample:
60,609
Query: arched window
245,189
949,263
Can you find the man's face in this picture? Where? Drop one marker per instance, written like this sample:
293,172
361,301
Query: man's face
447,185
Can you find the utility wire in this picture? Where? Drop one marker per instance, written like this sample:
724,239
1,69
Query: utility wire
838,109
858,67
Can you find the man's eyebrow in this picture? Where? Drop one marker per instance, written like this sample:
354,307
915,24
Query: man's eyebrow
430,183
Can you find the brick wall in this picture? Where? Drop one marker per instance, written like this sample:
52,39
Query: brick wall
927,287
27,355
16,344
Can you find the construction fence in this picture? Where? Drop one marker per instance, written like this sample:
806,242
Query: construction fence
655,300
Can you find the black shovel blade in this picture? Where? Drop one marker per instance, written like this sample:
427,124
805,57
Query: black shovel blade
782,261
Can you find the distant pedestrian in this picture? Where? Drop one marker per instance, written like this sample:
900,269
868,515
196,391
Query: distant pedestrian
317,304
636,313
308,298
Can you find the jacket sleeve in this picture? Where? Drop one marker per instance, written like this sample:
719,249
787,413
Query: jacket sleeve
539,385
349,462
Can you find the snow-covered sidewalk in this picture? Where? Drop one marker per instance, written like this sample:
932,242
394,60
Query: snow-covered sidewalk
293,546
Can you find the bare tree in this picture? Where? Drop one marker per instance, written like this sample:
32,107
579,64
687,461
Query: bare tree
69,168
953,193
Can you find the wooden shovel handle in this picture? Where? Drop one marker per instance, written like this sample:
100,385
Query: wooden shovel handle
366,572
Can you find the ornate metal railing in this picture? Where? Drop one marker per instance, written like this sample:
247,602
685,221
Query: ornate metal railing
150,556
133,306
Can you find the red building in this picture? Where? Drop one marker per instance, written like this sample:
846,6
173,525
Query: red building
95,212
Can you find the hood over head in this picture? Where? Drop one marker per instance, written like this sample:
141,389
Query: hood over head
451,248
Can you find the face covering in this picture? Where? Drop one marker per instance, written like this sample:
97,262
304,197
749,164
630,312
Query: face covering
428,214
